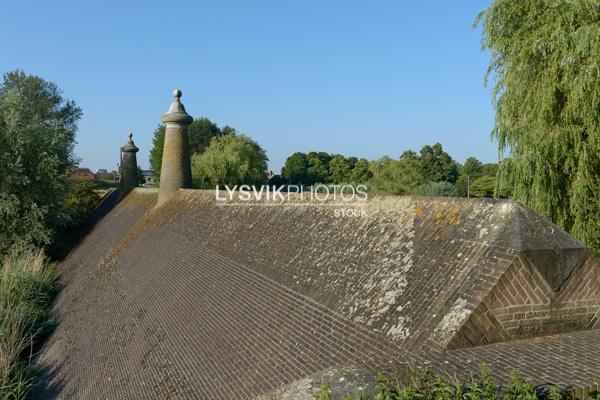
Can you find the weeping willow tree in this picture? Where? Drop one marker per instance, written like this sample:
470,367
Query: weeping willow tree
545,71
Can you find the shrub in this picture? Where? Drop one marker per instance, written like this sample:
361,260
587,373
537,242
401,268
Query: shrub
437,189
81,201
28,285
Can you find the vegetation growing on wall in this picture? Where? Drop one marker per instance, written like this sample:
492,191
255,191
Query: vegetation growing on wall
423,384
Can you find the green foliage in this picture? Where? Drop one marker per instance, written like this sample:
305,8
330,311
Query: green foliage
484,186
104,184
200,133
37,135
158,144
324,393
423,384
340,170
405,176
398,177
436,189
437,165
472,167
360,172
478,180
519,389
295,169
544,65
79,205
27,288
81,201
318,167
489,169
230,160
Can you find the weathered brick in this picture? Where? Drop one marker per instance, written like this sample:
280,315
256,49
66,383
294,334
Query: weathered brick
185,301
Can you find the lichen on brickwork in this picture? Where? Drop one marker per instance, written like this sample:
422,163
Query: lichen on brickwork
251,297
452,321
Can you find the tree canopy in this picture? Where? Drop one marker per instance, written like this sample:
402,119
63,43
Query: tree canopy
432,172
37,135
400,177
437,165
295,169
546,75
321,167
340,170
229,160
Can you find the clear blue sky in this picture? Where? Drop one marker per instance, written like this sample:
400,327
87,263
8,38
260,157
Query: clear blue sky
362,78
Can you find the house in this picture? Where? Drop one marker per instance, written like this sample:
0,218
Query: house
149,180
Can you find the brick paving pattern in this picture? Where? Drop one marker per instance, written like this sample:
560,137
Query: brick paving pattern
192,300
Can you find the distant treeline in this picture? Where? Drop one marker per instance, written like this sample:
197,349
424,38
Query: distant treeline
432,172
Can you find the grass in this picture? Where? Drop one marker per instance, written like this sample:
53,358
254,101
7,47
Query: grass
27,287
422,384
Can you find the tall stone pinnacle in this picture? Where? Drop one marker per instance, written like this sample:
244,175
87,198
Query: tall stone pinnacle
129,167
176,172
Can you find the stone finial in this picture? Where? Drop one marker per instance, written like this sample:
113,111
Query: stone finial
176,172
129,147
176,111
129,167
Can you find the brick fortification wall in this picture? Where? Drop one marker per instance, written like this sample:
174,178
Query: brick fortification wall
194,300
415,269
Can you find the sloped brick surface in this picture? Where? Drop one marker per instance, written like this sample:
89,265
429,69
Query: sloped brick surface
195,300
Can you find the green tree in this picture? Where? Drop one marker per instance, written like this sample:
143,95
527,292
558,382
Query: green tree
437,165
37,135
361,173
79,206
158,144
398,177
489,169
544,63
339,170
81,201
472,167
470,170
200,133
352,161
230,160
295,170
484,186
318,167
